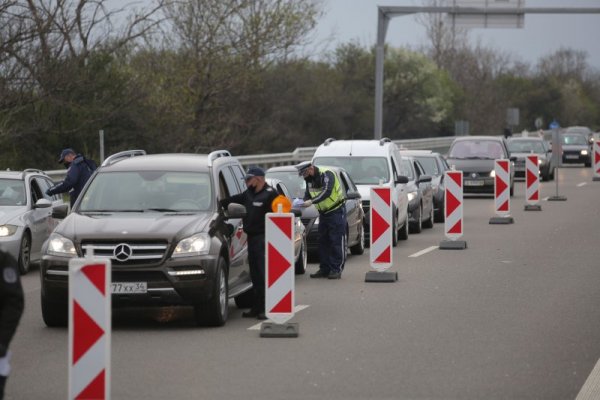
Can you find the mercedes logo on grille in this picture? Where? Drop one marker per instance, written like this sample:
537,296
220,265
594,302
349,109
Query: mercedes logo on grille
473,175
122,252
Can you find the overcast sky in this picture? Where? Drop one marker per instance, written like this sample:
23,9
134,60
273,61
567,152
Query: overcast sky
347,20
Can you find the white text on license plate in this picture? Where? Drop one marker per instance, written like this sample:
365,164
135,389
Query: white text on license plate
129,287
572,156
474,183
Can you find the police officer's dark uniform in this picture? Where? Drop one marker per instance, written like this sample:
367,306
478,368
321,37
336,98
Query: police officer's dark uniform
11,309
79,171
324,191
257,205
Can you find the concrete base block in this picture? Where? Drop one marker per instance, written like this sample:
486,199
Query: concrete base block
596,178
533,207
453,245
557,198
374,276
287,330
501,220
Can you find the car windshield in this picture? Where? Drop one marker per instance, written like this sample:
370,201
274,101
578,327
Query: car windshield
525,146
141,191
362,170
12,192
429,164
476,150
574,139
295,183
406,170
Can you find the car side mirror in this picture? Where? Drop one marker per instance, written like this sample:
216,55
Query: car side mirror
402,179
424,178
352,195
513,158
43,203
235,211
60,212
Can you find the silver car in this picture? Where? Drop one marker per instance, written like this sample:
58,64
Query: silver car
524,146
26,214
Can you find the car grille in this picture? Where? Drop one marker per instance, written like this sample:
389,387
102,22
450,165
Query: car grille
305,221
480,174
129,253
366,205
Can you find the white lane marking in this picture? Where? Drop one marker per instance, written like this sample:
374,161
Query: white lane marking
581,184
297,309
591,388
425,251
546,198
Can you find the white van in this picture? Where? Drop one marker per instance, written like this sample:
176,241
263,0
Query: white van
369,162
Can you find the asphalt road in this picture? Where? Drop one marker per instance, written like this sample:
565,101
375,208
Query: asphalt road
514,316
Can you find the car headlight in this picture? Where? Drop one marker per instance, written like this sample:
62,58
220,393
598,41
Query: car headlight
193,246
584,152
61,246
493,173
7,230
412,196
540,161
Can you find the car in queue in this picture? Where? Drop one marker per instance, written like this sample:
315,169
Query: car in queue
475,156
435,166
420,194
158,218
524,146
575,149
355,233
300,249
26,214
371,163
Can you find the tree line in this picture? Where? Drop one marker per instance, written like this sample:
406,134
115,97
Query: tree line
198,75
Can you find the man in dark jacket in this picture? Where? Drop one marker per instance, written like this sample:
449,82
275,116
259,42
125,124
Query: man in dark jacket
258,199
11,309
79,170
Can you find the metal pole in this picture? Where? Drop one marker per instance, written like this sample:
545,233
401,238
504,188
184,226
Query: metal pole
556,152
382,23
101,132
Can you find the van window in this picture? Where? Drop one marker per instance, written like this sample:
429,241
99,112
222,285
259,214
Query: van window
362,170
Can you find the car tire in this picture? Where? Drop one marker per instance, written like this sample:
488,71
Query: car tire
54,314
214,312
417,227
512,190
403,231
359,248
25,254
429,223
245,300
300,265
588,164
394,233
439,215
552,174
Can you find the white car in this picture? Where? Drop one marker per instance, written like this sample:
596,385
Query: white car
370,163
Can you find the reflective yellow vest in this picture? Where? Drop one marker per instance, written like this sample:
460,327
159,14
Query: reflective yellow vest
334,201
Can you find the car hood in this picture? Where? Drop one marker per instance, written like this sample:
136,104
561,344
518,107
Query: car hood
472,165
139,226
11,214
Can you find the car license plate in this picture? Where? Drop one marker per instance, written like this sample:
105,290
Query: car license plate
572,156
129,287
473,183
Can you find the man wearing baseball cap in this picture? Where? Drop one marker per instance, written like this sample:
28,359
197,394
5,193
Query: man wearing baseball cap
257,199
79,170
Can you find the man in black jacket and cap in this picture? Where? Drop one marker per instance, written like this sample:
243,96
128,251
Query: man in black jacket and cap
11,309
79,170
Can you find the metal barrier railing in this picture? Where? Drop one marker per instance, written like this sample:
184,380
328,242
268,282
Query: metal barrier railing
439,144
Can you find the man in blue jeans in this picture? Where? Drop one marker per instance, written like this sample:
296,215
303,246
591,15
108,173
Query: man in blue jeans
324,191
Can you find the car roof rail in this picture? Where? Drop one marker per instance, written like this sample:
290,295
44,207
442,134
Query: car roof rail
35,170
212,156
328,141
121,155
384,140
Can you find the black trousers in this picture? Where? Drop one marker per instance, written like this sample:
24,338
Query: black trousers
256,259
2,383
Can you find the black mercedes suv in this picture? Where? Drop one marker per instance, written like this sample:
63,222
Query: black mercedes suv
158,219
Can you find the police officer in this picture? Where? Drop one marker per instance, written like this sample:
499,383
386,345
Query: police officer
11,309
257,199
324,191
79,170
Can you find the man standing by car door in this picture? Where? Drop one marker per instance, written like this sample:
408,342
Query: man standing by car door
11,309
257,199
324,191
79,170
